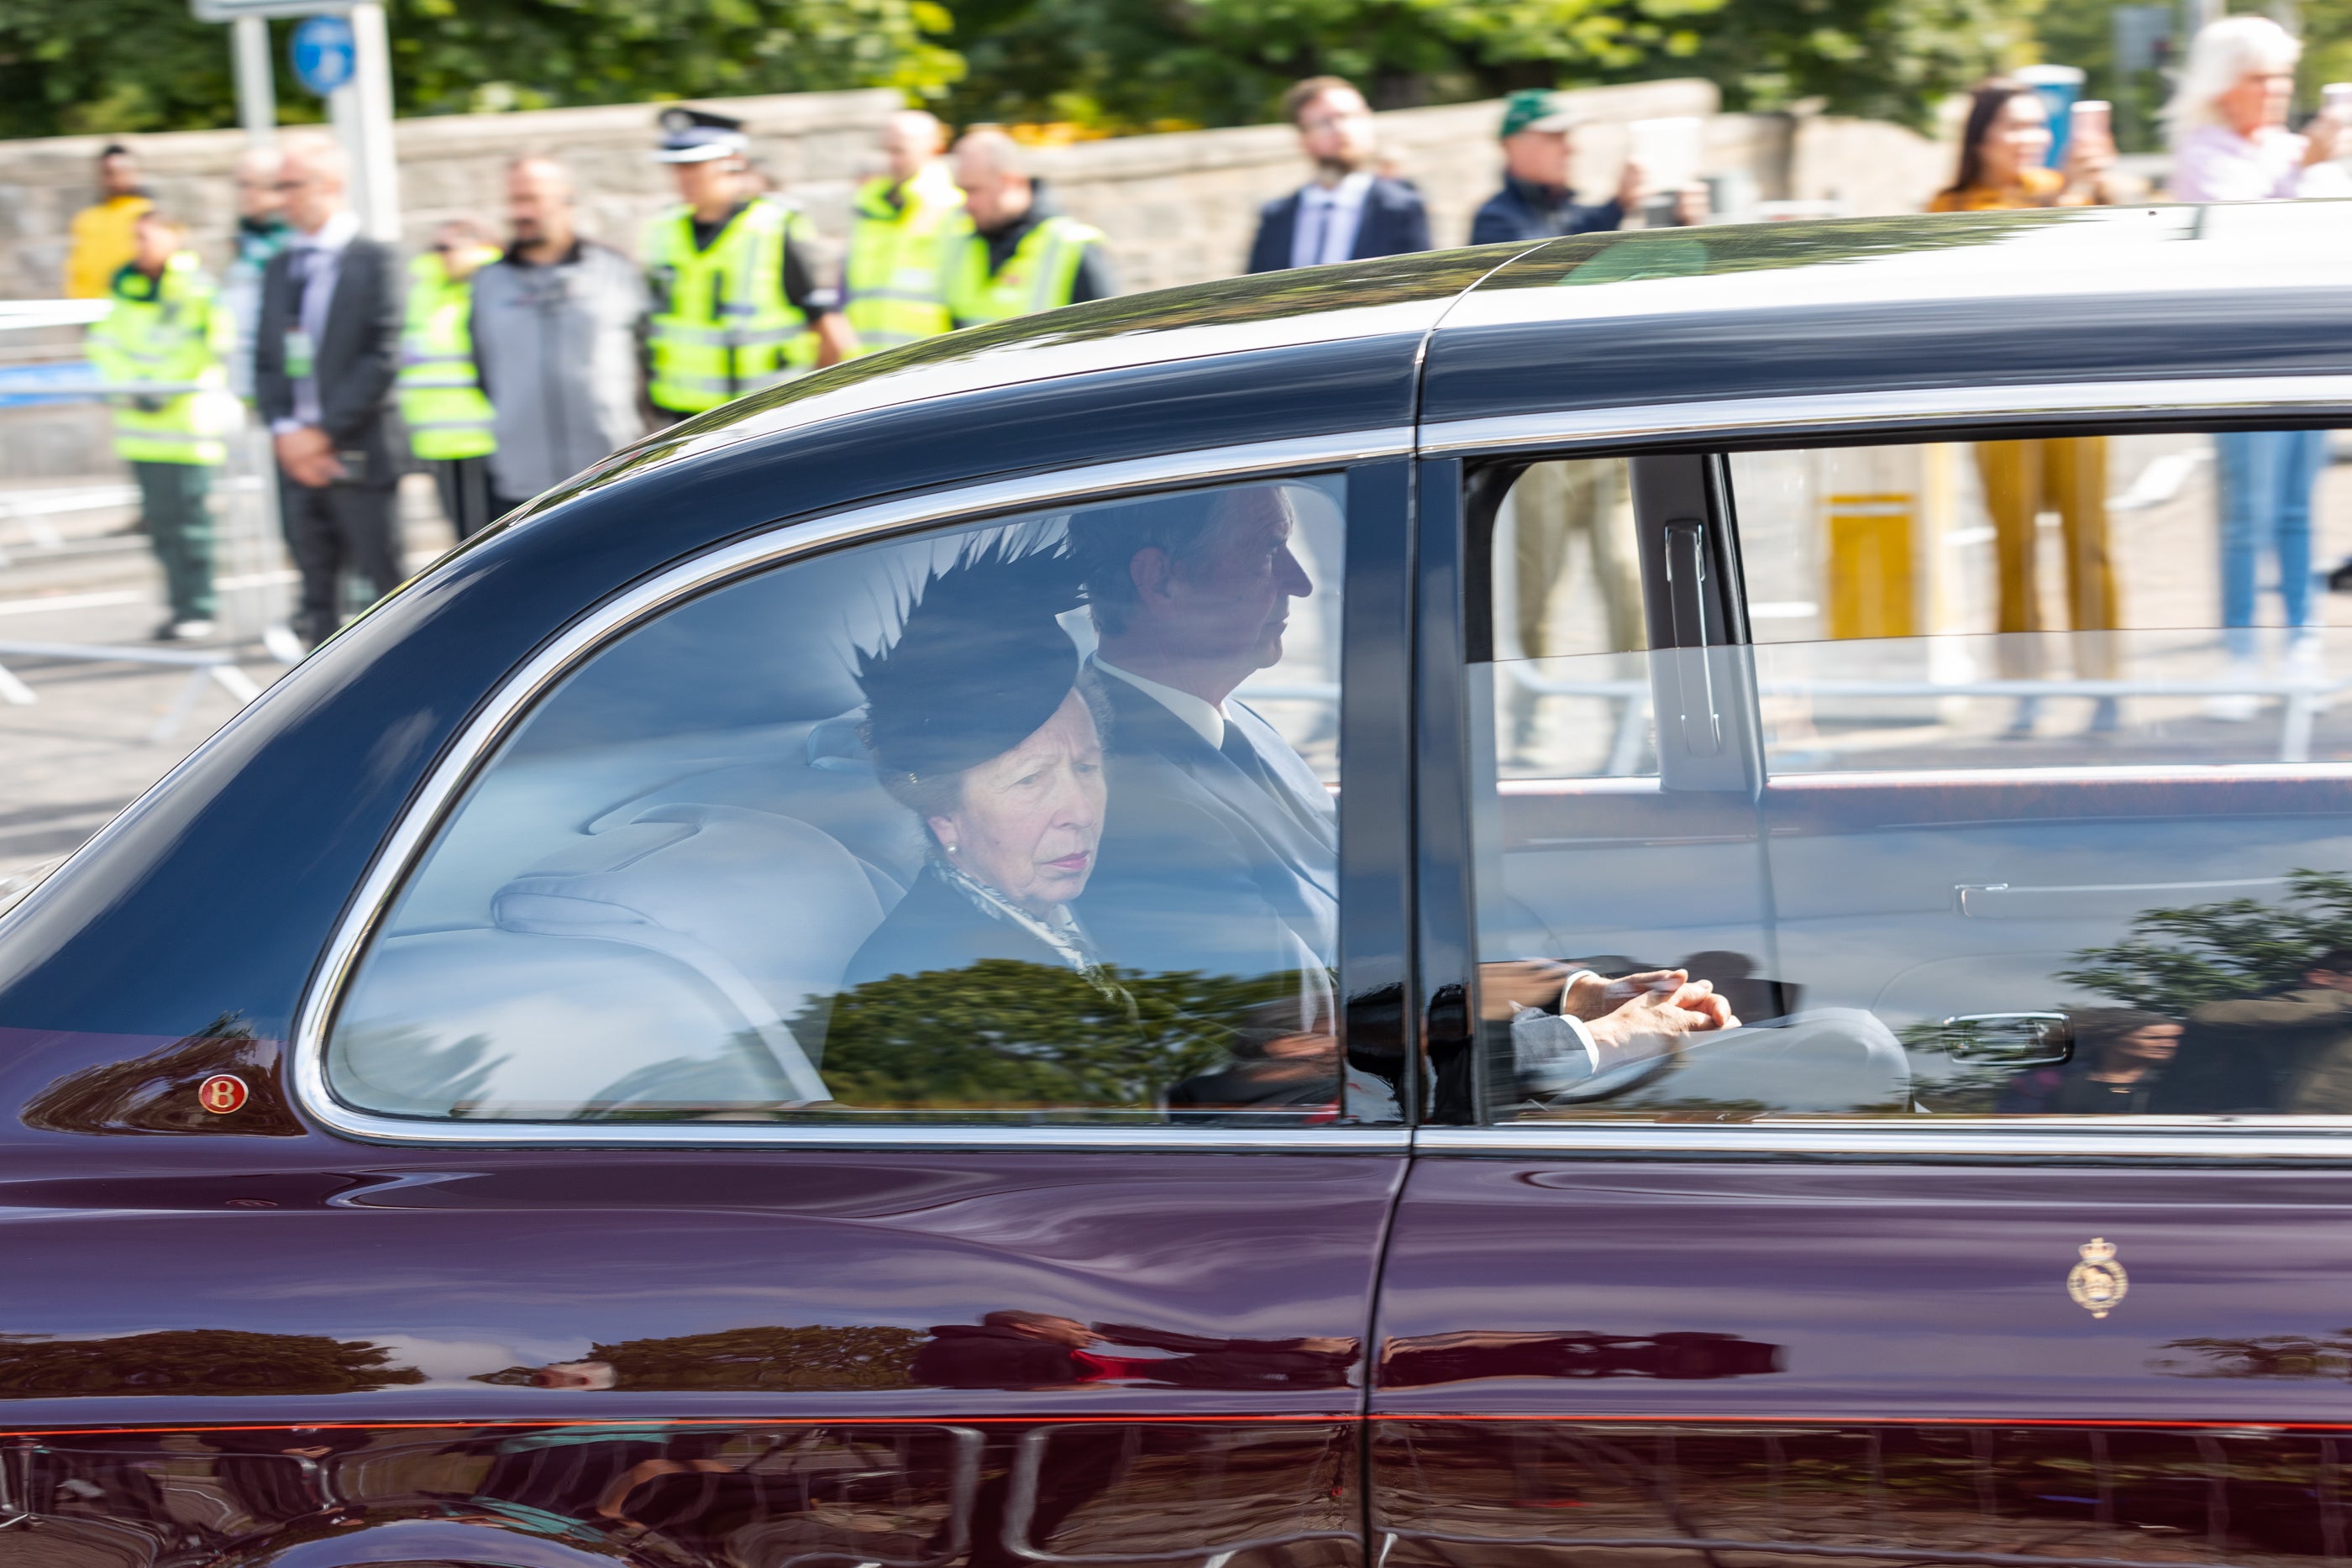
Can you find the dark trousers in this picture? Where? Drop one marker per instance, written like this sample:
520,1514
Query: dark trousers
332,530
172,504
465,499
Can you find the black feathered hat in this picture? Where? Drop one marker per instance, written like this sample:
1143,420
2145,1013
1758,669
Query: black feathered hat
978,665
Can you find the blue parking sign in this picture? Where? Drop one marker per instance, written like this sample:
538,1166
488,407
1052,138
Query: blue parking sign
323,53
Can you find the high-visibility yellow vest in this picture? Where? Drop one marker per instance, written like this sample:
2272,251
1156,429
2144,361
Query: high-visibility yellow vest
722,326
171,330
1036,277
441,400
897,278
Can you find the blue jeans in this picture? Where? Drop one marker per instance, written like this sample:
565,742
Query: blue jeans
2267,478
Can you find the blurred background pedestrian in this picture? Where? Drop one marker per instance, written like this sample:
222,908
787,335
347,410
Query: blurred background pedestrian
324,358
554,338
168,329
261,233
736,303
2005,146
1536,201
1020,253
1347,212
904,229
442,409
101,239
2230,144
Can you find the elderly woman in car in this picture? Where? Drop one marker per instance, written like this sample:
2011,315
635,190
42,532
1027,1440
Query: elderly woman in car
980,723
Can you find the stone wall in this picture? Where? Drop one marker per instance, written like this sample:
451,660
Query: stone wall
1178,207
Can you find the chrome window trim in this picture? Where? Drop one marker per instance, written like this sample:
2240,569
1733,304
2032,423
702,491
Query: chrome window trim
2232,1138
2303,396
2229,1138
633,607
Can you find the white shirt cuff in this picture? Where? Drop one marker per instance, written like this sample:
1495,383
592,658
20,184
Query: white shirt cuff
284,426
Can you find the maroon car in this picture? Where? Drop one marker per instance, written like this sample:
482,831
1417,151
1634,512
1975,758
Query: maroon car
1677,897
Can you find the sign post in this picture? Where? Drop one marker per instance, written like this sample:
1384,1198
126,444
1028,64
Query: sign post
342,53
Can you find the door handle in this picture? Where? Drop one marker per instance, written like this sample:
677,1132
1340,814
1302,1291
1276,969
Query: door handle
1686,590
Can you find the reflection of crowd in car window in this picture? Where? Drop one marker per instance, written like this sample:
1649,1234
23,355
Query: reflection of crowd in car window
2117,1062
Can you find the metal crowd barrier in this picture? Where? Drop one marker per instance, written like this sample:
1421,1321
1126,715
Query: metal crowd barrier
2301,698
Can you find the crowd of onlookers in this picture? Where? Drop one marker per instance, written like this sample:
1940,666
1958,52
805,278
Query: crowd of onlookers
516,360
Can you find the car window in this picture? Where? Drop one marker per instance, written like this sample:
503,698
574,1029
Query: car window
2028,801
1030,820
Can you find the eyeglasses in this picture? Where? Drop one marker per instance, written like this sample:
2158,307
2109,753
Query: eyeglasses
1333,121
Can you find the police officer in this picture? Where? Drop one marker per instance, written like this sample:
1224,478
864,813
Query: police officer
735,300
905,226
441,400
167,326
1020,253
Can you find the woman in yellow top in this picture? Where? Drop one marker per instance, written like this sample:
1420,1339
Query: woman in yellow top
2004,158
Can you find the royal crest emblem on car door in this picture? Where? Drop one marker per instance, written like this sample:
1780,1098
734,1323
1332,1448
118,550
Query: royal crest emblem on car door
2098,1282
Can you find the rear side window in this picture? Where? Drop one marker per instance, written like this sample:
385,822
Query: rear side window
1032,820
2027,795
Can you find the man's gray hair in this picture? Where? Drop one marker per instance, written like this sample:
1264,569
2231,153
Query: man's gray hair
995,147
1107,541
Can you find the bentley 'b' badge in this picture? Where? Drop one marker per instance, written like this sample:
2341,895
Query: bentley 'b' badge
2098,1283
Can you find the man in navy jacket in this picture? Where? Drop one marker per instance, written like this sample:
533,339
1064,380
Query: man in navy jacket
1535,201
1348,212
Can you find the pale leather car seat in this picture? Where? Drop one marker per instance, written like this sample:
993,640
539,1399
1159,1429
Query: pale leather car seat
765,908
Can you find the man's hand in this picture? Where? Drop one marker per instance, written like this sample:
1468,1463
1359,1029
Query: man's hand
2321,134
307,455
1648,1024
835,340
1591,997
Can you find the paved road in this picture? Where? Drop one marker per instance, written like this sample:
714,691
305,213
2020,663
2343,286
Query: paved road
77,755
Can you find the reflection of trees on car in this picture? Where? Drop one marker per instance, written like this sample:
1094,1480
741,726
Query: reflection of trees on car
183,1361
2269,1356
812,1357
157,1093
2175,959
1005,1034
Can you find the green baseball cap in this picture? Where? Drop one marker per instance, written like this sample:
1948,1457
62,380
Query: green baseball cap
1537,109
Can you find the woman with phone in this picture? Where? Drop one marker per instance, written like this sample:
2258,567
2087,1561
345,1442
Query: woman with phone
2004,164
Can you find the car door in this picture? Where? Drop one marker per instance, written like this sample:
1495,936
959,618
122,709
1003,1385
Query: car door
2006,1230
607,1212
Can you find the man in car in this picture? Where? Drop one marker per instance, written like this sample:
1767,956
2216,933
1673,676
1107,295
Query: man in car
1219,833
2289,1051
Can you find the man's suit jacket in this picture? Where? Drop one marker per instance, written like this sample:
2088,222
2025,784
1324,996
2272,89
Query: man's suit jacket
1199,867
356,355
1394,223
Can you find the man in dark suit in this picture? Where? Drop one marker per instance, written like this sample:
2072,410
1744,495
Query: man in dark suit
1348,212
1220,846
324,356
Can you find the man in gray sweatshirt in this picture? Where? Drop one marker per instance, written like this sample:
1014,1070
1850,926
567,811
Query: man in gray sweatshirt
555,340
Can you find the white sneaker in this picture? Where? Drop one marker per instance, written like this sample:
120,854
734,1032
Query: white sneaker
2236,707
190,631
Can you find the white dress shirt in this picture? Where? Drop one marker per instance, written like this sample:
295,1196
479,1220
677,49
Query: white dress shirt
1329,217
1203,717
315,261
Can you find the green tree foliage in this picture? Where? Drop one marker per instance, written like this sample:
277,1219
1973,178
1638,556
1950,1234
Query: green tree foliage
812,1357
182,1361
1006,1035
72,65
146,65
2176,958
1123,63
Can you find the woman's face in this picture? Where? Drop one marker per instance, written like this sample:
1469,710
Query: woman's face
2150,1047
2260,99
1027,823
2016,139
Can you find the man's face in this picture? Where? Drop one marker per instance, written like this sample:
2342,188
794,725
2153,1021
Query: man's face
1230,599
2328,980
1334,127
987,191
256,188
707,185
313,193
1538,157
537,203
117,174
156,241
910,142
